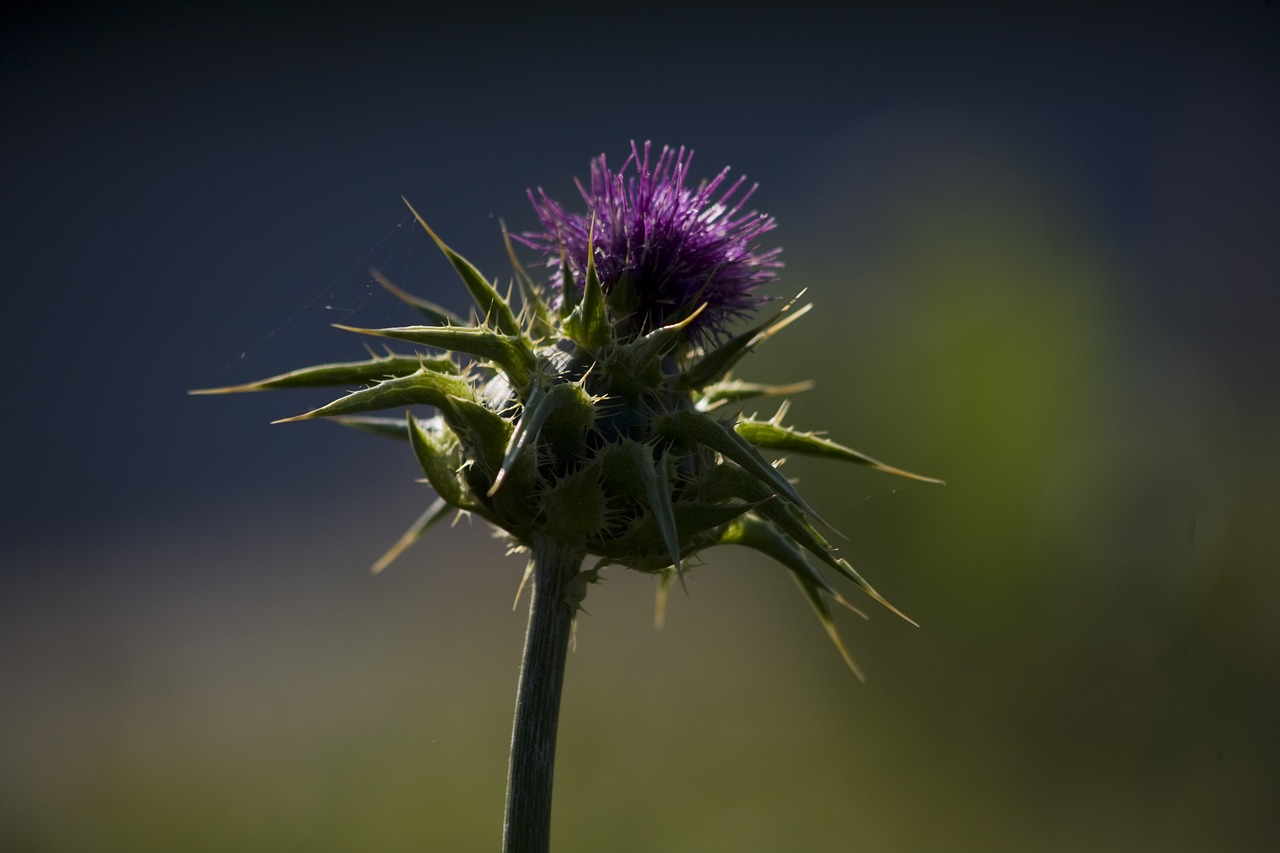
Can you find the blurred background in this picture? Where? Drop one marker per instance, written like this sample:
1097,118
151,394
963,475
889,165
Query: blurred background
1044,250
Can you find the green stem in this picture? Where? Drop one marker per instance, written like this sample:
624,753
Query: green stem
533,738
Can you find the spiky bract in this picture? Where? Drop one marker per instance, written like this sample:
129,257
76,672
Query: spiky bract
572,422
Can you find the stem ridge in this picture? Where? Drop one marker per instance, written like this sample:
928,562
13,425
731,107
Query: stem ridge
527,828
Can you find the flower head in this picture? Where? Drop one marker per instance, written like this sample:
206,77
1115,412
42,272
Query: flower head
661,248
601,416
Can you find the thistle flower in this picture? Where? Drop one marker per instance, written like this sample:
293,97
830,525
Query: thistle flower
661,249
600,418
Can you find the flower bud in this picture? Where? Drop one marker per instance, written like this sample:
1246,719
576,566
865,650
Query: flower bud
600,413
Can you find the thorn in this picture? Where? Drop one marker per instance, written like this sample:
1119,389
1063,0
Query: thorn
780,324
889,469
870,590
528,573
839,599
660,602
680,577
229,389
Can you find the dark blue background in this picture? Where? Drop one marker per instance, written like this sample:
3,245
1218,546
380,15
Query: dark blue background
178,182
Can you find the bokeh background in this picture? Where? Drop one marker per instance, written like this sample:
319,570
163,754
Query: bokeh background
1044,247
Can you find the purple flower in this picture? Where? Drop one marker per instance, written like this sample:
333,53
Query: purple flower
662,250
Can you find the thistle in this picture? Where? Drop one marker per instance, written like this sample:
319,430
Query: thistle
600,417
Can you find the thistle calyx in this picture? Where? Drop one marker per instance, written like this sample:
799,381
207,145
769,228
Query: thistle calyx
599,412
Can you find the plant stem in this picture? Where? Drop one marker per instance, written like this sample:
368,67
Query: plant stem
533,737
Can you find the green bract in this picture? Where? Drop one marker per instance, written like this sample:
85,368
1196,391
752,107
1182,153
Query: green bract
548,422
